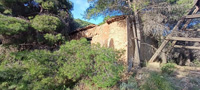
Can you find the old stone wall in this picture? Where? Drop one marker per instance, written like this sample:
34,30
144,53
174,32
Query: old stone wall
113,35
118,35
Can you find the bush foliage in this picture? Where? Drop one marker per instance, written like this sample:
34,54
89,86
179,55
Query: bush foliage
131,84
52,39
156,82
48,5
100,64
12,25
58,70
168,68
46,23
196,63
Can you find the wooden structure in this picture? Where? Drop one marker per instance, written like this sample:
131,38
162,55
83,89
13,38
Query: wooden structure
191,15
133,44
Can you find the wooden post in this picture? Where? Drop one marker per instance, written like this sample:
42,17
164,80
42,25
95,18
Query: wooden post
193,16
130,47
136,62
137,25
184,39
137,36
187,47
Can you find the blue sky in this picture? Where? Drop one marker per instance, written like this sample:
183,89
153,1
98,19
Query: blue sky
79,8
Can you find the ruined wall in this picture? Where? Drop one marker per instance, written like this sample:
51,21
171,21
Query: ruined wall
119,35
113,35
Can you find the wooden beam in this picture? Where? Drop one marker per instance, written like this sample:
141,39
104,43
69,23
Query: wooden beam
136,62
187,47
183,28
170,35
164,43
171,47
192,30
193,16
130,47
185,39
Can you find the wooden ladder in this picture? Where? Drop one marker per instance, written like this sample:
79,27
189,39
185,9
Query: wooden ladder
190,15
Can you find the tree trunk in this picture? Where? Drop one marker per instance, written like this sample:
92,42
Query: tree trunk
129,3
136,62
41,9
138,36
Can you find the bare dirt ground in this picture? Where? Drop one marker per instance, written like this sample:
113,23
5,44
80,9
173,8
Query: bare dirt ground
186,78
183,78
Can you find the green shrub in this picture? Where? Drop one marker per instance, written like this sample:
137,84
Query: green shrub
156,82
52,39
196,63
79,56
46,23
130,85
28,70
12,25
49,5
99,63
56,4
7,12
105,70
39,1
168,68
58,70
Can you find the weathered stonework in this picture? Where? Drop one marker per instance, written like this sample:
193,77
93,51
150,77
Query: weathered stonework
117,34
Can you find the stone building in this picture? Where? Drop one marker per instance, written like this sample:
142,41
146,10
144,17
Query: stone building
116,33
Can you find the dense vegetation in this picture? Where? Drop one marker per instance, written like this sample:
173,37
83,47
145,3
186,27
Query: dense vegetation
157,81
152,81
50,62
61,69
43,58
44,22
10,25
